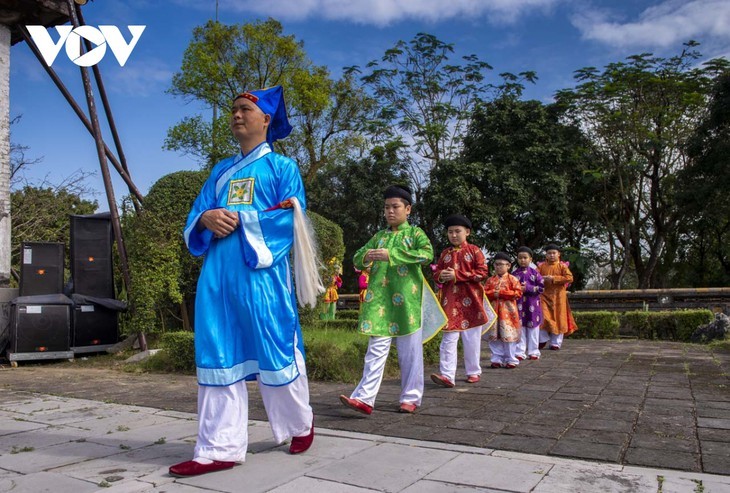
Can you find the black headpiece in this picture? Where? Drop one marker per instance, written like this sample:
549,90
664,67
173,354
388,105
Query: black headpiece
398,191
457,220
502,256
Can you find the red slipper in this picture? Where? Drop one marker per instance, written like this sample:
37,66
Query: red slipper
472,378
442,380
357,405
510,366
496,365
521,358
192,468
533,357
555,348
407,407
302,444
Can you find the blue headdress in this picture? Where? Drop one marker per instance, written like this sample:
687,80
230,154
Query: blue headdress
271,102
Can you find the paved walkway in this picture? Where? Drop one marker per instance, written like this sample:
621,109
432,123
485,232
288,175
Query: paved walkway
60,444
631,403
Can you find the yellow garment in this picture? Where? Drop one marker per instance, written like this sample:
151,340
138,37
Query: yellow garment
557,318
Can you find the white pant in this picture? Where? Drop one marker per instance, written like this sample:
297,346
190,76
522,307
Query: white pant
528,345
471,340
223,415
503,352
544,336
556,339
410,360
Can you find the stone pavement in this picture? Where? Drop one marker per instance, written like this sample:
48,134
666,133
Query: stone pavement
628,402
61,444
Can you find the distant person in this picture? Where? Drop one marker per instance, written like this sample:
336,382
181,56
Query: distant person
529,305
398,304
331,295
362,282
503,290
460,270
558,321
245,220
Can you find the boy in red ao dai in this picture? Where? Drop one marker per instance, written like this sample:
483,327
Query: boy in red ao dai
461,269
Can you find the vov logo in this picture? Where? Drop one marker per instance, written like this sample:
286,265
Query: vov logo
105,35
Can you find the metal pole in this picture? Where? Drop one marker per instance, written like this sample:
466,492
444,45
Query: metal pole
107,109
80,113
101,153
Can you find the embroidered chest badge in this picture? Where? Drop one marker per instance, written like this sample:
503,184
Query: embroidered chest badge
240,191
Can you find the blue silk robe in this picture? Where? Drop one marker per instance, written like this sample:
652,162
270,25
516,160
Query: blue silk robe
246,320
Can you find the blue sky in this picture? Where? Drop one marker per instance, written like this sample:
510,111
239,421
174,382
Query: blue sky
552,37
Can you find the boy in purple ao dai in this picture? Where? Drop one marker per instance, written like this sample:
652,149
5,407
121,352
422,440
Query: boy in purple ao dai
529,305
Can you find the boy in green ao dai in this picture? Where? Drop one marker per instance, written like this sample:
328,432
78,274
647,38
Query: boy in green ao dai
397,304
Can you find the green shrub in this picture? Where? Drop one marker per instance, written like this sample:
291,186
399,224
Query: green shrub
668,325
330,243
179,349
347,314
596,325
163,273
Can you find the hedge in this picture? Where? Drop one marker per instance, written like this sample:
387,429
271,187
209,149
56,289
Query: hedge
667,325
179,350
596,325
347,314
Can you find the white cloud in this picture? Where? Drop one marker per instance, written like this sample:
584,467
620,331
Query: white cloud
668,23
141,77
385,12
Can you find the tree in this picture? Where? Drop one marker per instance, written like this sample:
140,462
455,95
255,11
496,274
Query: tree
223,61
351,196
164,274
516,178
703,258
639,116
426,101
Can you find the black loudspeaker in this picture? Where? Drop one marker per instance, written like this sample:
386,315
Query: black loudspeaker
42,325
91,255
94,326
41,268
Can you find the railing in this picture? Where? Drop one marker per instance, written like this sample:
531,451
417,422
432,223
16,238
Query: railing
624,300
715,299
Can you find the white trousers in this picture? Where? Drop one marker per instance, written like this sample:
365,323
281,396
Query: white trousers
528,345
544,336
410,360
223,415
471,339
556,339
504,352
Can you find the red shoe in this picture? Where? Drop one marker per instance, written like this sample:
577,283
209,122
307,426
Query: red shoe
192,468
472,378
407,407
496,365
510,366
520,358
541,345
302,444
555,348
357,405
533,357
442,381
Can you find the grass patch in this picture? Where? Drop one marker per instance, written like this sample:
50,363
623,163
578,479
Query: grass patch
721,344
335,352
20,450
